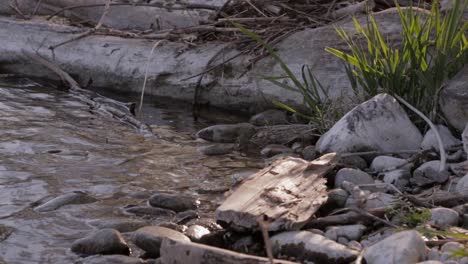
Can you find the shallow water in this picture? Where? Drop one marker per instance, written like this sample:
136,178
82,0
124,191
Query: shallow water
51,144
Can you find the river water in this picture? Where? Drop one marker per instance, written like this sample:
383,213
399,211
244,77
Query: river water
51,144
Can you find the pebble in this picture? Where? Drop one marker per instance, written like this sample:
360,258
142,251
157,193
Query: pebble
196,232
356,162
174,202
227,133
106,241
149,238
399,178
274,149
354,176
336,198
428,173
444,217
269,118
386,163
309,153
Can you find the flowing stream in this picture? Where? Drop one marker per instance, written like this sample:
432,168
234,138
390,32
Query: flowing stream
52,144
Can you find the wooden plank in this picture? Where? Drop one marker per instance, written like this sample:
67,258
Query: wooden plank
287,193
181,252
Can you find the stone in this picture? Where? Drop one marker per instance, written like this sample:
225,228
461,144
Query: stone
123,225
453,100
374,200
356,162
5,232
405,247
309,247
459,169
174,202
379,124
462,185
76,197
185,216
239,176
112,259
149,238
465,137
275,149
297,147
386,163
430,262
269,118
355,245
430,140
216,149
428,173
336,198
444,217
308,153
196,232
450,246
227,133
354,176
105,242
350,232
399,178
148,211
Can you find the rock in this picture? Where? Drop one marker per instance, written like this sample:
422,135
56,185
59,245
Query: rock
378,124
112,259
374,200
149,238
275,149
405,247
399,178
148,211
185,216
308,153
462,185
336,198
350,232
216,149
282,135
243,244
354,176
297,147
444,217
355,162
5,232
450,246
106,242
175,202
121,225
76,197
430,140
428,173
453,100
385,163
196,232
174,226
430,262
227,133
239,176
306,246
465,137
459,169
269,118
355,245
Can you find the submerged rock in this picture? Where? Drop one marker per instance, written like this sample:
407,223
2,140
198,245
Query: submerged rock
354,176
227,133
112,259
106,241
405,247
378,124
148,211
76,197
307,246
175,202
269,118
149,238
121,225
430,140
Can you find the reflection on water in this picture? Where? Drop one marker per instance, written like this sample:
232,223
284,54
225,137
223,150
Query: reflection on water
51,144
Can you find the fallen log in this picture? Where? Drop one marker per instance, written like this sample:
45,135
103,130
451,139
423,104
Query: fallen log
179,252
287,194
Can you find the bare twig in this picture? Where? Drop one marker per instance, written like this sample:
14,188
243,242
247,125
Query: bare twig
146,74
14,5
36,8
266,239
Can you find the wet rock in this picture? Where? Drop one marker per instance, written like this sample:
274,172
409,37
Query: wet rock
336,198
355,162
354,176
275,149
453,100
106,241
428,173
149,238
269,118
196,232
399,178
462,185
227,133
405,247
175,202
76,197
378,124
430,140
444,217
148,211
112,259
465,137
282,135
350,232
216,149
5,232
386,163
121,225
184,217
309,153
174,226
306,246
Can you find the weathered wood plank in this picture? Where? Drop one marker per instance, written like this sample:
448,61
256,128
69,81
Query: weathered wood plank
288,193
179,252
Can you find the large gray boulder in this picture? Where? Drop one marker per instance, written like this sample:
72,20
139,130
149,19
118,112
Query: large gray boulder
405,247
378,124
454,100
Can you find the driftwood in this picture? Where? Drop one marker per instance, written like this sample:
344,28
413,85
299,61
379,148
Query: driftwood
179,252
287,193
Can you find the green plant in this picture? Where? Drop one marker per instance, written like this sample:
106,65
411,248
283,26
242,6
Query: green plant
434,48
316,97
